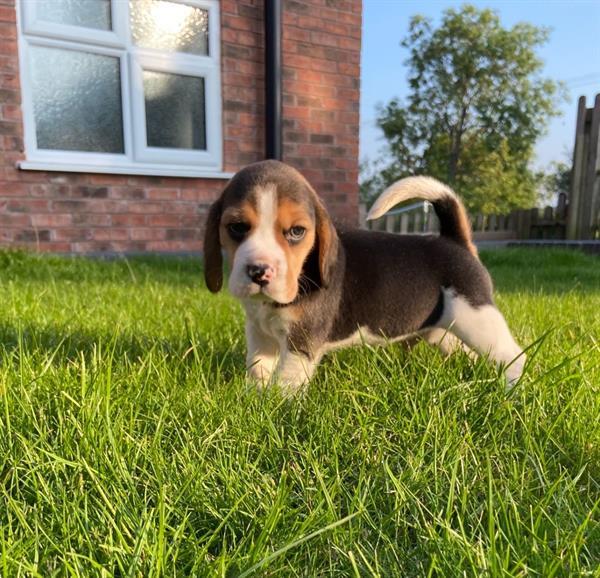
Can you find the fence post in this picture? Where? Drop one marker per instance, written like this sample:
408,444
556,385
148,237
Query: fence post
561,207
479,220
418,223
404,223
590,190
389,223
577,171
502,222
362,215
429,222
511,223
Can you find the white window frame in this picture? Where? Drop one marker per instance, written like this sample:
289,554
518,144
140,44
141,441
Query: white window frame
138,158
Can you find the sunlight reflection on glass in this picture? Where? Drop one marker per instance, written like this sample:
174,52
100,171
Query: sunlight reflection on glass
169,26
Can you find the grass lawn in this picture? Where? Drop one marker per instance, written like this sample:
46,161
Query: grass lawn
130,444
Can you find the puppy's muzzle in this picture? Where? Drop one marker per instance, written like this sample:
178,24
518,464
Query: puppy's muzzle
261,274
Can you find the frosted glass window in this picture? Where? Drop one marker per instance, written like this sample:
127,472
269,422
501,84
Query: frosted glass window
86,13
121,85
169,26
174,110
76,100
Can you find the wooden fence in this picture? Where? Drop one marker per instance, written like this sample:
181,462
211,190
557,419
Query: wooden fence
419,218
583,220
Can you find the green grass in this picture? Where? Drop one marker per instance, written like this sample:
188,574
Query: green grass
130,444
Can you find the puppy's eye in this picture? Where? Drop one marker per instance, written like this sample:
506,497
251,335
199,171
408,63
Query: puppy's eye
238,231
295,234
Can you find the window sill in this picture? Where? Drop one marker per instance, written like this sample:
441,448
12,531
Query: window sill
143,170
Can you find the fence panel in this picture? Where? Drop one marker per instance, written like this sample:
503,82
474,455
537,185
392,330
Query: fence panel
522,224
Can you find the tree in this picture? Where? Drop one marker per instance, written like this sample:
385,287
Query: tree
476,107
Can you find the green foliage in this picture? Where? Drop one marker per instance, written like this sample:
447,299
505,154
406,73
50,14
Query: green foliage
131,444
477,106
556,180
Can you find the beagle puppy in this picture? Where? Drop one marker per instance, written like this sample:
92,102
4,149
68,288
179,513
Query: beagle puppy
308,287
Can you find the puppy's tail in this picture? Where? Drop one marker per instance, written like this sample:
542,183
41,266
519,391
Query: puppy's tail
454,222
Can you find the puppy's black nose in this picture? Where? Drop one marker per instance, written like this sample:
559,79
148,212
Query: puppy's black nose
258,274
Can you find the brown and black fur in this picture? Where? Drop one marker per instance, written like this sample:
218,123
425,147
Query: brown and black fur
372,268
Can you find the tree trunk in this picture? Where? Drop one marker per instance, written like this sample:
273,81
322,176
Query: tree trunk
456,146
454,157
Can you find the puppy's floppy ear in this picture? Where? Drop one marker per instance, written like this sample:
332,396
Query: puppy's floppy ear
327,242
213,258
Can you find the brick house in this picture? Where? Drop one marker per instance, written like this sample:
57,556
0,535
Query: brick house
105,144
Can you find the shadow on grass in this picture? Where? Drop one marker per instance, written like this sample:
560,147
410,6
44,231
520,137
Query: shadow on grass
62,344
543,271
20,265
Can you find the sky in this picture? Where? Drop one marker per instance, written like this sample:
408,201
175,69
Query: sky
572,55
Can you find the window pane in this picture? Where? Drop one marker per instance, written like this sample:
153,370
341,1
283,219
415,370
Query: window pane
169,26
174,111
76,100
86,13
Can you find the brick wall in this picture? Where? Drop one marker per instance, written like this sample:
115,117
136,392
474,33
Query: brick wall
321,55
89,213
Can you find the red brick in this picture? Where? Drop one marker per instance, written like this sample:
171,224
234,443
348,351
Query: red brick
9,81
127,220
241,23
148,234
179,207
127,192
27,205
174,246
163,220
13,189
8,64
54,247
111,234
196,221
199,194
145,207
162,194
92,220
102,179
8,30
7,14
72,234
14,220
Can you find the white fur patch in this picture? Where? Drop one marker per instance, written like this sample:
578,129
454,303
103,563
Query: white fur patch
485,330
261,247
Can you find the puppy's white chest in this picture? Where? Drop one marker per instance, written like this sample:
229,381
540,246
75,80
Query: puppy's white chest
268,320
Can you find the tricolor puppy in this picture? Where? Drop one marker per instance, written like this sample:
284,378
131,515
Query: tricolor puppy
309,288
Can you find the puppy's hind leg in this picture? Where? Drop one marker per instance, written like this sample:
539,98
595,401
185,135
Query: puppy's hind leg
446,342
484,329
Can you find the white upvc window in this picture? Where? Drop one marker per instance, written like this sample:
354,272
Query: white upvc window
121,86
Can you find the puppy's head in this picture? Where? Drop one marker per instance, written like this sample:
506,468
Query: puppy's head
276,234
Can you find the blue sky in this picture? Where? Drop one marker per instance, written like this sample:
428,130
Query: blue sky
572,55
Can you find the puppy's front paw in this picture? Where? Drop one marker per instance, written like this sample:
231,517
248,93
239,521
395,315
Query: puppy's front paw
294,373
259,376
260,368
262,381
